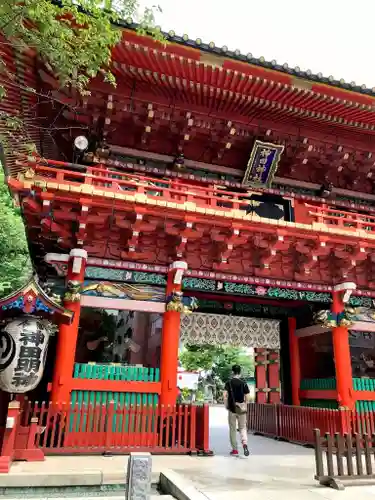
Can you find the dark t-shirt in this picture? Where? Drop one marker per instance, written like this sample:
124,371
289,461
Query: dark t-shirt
236,389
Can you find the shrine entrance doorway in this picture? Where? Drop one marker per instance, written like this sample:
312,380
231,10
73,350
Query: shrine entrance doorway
261,334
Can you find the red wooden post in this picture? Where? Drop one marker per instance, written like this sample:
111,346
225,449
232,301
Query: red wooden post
206,430
26,448
109,428
273,376
261,389
68,334
9,439
341,349
295,366
171,339
193,425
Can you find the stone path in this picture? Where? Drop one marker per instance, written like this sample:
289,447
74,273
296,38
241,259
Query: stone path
274,471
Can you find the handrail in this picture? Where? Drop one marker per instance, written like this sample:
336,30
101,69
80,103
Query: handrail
177,192
347,220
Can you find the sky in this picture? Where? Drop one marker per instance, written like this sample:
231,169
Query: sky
332,37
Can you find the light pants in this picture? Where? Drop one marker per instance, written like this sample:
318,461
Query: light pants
233,420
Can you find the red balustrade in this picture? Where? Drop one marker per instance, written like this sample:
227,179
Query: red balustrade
297,423
113,181
262,418
100,428
41,429
348,221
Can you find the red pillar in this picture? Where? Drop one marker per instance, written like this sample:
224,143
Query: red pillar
9,438
295,366
273,375
341,350
261,386
68,334
171,339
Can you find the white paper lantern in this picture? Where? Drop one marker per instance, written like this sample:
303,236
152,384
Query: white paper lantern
23,353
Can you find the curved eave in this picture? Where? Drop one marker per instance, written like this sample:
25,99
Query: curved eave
239,92
56,312
205,66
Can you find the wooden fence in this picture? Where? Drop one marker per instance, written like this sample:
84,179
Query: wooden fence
344,459
295,424
54,429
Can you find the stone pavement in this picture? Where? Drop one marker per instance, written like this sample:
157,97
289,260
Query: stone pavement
274,471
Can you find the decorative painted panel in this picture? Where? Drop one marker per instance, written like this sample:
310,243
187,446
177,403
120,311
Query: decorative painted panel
214,285
219,329
123,291
243,308
108,274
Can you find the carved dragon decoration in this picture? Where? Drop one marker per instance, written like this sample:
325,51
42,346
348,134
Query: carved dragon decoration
176,302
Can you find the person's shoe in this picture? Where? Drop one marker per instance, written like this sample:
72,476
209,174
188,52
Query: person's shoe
246,450
234,453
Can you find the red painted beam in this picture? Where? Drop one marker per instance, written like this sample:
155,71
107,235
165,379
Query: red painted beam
79,384
364,395
315,394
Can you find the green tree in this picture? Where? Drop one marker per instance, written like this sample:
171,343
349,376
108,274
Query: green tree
74,39
218,359
15,265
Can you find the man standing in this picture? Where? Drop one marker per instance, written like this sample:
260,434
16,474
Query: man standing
236,397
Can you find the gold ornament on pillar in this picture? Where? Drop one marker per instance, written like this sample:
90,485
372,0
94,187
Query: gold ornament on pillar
72,293
175,302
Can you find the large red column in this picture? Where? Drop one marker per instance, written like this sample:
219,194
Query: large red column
261,386
68,334
295,366
341,349
171,338
273,376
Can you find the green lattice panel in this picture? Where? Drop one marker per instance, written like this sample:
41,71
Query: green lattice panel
320,403
318,384
364,384
93,371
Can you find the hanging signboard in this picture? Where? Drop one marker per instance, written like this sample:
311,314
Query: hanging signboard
262,164
23,352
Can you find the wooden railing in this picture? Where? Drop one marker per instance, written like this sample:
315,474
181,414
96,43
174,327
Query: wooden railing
295,424
179,192
348,221
343,459
54,429
171,190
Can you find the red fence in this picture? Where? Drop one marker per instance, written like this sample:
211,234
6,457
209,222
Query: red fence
100,428
297,423
95,429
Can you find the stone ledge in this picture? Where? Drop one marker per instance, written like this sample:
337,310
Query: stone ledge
172,483
95,477
66,478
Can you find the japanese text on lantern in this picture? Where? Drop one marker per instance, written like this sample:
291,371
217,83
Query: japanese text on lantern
30,358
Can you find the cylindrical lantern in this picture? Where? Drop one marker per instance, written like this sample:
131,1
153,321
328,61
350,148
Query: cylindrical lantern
23,353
